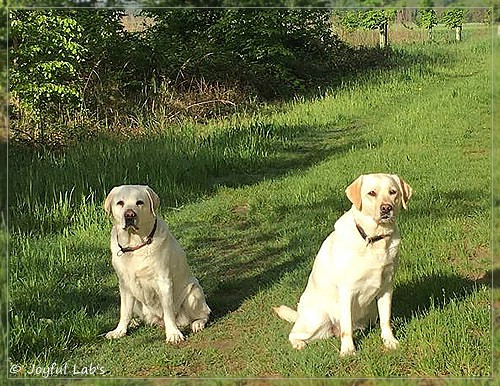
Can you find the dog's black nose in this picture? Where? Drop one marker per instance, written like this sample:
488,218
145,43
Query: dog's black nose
130,214
385,208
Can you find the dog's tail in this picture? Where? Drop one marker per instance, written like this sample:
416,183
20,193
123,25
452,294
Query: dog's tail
286,313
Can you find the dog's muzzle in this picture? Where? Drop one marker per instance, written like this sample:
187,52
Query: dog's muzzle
386,212
130,219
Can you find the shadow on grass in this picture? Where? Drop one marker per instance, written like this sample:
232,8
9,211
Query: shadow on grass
181,168
240,259
451,203
240,281
433,291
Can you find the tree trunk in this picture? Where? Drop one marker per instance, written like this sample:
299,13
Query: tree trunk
429,33
458,33
383,41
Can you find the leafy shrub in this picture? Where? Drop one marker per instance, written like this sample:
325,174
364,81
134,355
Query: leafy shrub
54,56
272,51
454,18
46,57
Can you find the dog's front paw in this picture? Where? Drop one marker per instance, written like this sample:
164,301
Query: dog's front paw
117,333
198,325
390,342
174,337
347,350
298,344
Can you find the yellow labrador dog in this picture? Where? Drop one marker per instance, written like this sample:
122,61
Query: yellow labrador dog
154,278
353,272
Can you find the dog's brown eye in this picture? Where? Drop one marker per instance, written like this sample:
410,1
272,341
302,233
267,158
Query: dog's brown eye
372,193
120,203
392,192
140,202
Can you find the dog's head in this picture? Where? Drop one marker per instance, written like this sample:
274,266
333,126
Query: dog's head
379,196
132,206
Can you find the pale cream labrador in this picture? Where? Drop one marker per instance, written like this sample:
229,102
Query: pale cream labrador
154,278
353,272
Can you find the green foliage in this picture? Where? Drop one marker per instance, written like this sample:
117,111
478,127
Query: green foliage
454,18
274,51
377,19
426,4
367,19
496,10
102,31
56,56
487,17
3,27
428,18
46,57
350,20
13,4
236,3
107,50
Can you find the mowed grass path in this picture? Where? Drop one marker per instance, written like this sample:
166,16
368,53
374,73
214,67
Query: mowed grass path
251,199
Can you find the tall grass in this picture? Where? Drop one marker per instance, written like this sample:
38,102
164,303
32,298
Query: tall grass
251,198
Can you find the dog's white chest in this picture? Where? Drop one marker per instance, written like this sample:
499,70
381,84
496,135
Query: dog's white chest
139,276
370,281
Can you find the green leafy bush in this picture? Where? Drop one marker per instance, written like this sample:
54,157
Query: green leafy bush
454,18
55,56
428,20
276,52
46,57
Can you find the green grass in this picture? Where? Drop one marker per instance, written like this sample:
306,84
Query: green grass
496,216
251,198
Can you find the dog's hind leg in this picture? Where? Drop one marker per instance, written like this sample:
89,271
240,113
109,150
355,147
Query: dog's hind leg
194,309
310,325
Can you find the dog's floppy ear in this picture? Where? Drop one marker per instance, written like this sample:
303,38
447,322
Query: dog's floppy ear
353,192
108,201
154,200
406,189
